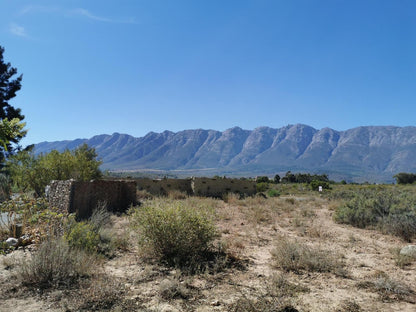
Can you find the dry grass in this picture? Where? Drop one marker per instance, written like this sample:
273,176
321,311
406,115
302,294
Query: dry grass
55,264
277,254
290,255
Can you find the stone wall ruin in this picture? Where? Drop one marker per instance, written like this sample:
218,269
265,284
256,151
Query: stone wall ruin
207,187
82,198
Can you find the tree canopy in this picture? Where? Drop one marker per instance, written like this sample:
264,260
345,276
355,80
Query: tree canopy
28,171
11,127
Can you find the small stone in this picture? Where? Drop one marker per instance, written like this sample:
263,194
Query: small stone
409,250
11,241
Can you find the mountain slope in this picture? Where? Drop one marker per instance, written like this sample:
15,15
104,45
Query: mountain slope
376,153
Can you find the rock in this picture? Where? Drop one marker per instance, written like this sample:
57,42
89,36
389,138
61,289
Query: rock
409,250
11,241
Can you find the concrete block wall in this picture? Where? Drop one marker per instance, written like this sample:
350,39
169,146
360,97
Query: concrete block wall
211,187
164,186
83,197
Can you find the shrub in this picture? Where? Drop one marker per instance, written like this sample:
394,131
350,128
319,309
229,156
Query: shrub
262,187
100,216
273,193
176,232
316,184
391,210
176,194
402,225
262,179
292,256
55,264
82,235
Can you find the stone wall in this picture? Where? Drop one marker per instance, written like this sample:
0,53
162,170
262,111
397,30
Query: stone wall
60,194
164,186
83,197
208,187
211,187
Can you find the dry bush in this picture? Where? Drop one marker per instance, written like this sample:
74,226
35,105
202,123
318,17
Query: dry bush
388,288
280,287
175,231
259,210
292,256
143,195
349,306
176,194
401,260
100,294
277,296
232,198
245,304
173,288
55,264
100,217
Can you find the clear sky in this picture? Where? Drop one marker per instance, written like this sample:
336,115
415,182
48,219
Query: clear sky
132,66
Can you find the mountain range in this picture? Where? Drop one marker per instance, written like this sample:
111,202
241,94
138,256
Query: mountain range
368,153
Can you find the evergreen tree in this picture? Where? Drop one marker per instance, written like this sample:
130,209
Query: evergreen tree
9,85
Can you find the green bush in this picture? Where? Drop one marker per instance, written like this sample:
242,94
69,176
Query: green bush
316,184
391,210
82,235
262,187
402,225
273,193
178,233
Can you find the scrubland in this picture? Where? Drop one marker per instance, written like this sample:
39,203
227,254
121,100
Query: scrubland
291,249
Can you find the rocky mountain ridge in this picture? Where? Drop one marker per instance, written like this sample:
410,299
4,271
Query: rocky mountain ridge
368,153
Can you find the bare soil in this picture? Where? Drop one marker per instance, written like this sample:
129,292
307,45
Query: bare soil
250,230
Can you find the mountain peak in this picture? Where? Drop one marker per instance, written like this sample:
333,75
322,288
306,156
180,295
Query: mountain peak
368,151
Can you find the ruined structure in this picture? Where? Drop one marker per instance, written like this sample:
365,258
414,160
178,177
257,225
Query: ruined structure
83,197
209,187
164,186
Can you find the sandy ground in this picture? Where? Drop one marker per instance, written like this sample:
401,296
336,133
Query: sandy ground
250,230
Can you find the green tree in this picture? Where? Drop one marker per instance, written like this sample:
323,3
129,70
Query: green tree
28,171
276,179
10,117
405,178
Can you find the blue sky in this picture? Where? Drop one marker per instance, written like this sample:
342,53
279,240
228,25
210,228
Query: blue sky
132,66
